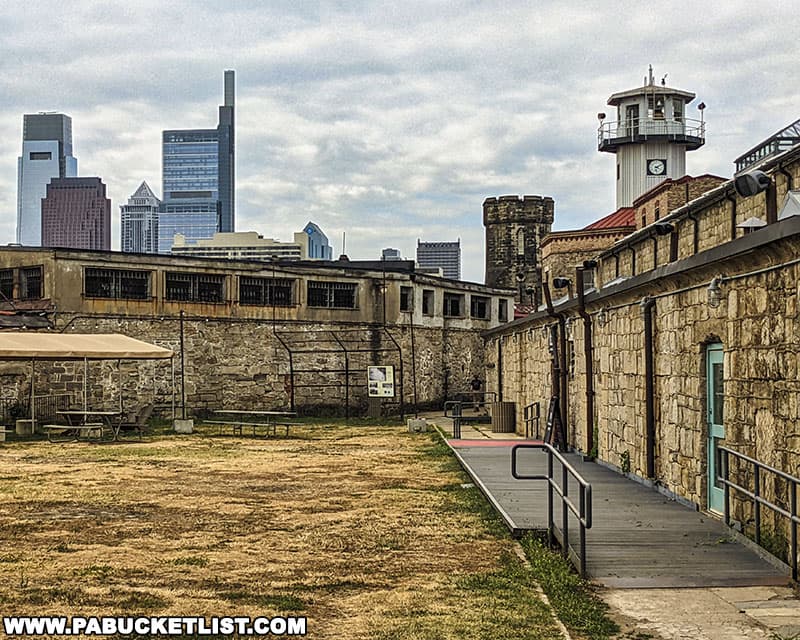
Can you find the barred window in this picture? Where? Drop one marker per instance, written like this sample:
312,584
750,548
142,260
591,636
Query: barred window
334,295
195,287
479,307
266,291
453,305
406,299
116,283
7,284
30,283
427,302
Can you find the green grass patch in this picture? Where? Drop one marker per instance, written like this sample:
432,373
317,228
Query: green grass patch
191,561
501,605
574,599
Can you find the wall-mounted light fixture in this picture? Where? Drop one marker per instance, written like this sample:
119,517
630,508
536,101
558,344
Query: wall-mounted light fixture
751,183
715,292
602,317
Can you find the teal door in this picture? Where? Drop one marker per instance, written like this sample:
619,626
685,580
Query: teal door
716,429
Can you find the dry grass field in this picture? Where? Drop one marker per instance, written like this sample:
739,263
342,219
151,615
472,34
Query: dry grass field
368,531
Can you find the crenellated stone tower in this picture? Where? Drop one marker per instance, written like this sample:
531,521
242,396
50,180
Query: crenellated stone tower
514,229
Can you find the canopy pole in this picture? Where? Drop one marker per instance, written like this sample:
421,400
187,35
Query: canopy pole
183,368
33,391
119,380
172,360
85,384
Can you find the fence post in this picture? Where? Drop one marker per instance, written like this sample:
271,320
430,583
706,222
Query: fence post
793,529
564,511
550,523
756,503
726,490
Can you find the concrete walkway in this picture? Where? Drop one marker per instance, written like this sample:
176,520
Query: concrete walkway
687,560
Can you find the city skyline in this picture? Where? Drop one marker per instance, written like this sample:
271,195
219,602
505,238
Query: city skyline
387,143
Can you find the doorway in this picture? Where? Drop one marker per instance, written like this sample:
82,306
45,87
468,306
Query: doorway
715,400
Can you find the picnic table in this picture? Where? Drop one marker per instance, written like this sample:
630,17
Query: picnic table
270,421
79,423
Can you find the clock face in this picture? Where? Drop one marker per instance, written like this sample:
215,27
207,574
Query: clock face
656,167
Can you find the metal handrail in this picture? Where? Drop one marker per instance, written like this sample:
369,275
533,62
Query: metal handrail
723,477
644,127
583,511
531,414
453,409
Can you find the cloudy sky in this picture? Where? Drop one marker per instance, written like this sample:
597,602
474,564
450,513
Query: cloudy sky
388,121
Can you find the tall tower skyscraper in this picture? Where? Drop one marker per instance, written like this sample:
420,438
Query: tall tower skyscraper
46,154
139,221
198,178
443,255
76,214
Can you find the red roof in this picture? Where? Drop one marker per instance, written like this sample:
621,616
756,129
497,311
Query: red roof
622,217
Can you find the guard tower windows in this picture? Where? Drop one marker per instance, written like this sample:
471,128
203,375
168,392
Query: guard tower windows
677,110
655,107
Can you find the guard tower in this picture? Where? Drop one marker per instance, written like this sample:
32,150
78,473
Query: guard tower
651,135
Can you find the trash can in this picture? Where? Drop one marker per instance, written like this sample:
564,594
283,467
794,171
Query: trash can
504,417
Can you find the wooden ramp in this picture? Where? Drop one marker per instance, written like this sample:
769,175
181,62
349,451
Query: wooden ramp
639,537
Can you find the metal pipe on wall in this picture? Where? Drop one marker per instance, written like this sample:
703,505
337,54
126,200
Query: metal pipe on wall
562,358
732,199
588,350
647,304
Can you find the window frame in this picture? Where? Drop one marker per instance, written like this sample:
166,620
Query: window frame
449,298
485,301
117,288
333,293
194,280
272,291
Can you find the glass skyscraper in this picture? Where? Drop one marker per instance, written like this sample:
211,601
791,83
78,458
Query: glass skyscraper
198,178
46,154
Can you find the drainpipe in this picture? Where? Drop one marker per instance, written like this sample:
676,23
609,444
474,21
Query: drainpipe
633,260
647,305
771,201
732,199
695,232
562,359
587,356
788,176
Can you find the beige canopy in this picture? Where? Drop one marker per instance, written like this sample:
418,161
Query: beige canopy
77,346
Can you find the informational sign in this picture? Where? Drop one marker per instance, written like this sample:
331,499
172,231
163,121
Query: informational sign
381,381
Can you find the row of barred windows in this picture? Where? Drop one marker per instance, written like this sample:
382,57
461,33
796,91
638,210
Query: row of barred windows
204,287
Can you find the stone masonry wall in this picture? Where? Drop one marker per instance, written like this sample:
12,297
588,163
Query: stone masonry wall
507,219
243,365
758,326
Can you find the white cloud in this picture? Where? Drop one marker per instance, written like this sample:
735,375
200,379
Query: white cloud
388,121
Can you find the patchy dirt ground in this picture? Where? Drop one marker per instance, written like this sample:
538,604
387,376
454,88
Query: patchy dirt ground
359,528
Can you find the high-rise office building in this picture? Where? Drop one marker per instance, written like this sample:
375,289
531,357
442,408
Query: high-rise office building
444,255
76,214
46,154
391,254
139,221
198,178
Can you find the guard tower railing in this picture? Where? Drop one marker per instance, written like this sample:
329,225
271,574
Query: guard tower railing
558,485
759,474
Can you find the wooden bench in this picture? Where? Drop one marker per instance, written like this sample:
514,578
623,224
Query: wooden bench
238,426
77,431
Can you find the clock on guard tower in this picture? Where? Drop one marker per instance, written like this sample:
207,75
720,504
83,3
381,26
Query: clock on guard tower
656,167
